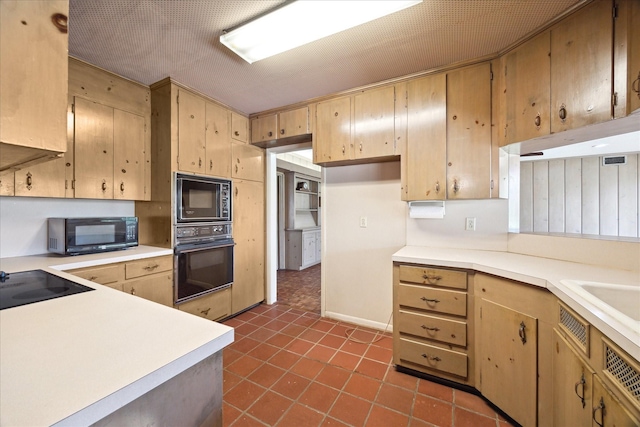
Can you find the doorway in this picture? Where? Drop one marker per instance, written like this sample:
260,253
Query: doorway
296,228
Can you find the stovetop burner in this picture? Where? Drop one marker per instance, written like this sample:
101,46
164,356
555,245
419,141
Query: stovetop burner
27,287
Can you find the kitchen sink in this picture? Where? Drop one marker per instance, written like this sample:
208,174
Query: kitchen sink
623,299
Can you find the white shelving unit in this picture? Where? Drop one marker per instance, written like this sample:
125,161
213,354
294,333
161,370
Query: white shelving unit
302,226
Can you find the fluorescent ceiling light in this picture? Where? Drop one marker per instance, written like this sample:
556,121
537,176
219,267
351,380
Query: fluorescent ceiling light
301,22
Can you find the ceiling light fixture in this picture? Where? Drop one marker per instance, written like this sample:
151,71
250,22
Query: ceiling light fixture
296,23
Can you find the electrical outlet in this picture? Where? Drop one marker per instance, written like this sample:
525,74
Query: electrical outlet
470,224
363,221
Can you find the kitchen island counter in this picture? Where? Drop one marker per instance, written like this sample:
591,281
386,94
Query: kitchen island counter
546,273
77,359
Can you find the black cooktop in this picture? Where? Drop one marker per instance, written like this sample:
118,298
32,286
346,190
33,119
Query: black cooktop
27,287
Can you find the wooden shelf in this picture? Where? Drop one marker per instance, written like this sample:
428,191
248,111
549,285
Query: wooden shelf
307,192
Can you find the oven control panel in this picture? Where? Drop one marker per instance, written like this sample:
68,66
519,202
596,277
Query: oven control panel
202,232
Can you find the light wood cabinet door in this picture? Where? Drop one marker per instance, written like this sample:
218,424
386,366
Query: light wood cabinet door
157,288
247,162
249,236
572,386
293,122
581,68
426,138
469,133
239,127
128,156
373,123
508,361
42,180
629,69
218,143
264,128
34,70
332,141
528,90
93,150
191,132
7,180
607,410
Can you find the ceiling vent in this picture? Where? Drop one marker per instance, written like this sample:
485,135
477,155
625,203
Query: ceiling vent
614,160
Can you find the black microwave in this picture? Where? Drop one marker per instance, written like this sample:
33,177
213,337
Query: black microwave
202,199
73,236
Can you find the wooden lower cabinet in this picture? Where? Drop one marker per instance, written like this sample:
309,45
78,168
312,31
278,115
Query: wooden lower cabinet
607,410
213,306
431,328
150,278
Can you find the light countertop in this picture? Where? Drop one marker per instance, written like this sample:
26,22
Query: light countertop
73,360
545,273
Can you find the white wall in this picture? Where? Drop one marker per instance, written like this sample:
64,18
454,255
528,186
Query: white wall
356,265
492,220
23,220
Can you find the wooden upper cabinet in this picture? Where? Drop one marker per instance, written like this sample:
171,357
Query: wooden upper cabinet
42,180
332,141
426,157
93,150
527,75
128,155
469,133
239,127
374,116
247,162
581,68
626,62
264,128
293,122
34,70
218,143
191,132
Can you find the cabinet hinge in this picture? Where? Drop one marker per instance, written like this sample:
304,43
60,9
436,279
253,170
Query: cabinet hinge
481,312
490,75
66,184
178,99
614,99
505,70
145,189
73,184
492,184
615,11
73,108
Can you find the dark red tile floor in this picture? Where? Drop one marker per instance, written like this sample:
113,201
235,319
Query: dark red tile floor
300,289
290,367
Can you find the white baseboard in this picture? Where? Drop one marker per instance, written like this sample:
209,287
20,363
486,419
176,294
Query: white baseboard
358,321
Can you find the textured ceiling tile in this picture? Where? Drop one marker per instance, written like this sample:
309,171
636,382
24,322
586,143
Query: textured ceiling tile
148,40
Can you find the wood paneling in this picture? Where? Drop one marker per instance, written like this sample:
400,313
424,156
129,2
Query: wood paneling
580,195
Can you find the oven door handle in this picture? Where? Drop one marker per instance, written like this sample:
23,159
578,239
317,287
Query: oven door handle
200,246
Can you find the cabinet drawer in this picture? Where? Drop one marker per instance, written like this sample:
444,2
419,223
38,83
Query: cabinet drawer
433,328
434,276
148,266
213,306
158,288
102,275
439,300
431,357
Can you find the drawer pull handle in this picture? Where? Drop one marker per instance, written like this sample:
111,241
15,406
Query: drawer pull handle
522,333
151,267
430,328
600,408
206,312
431,279
582,382
428,300
133,291
434,358
93,278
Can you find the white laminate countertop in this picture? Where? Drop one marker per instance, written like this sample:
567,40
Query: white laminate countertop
73,360
545,273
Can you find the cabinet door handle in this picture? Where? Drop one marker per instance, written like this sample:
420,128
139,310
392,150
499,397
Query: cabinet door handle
635,86
343,150
151,267
522,333
133,291
562,113
210,164
206,312
427,300
361,147
236,133
199,162
456,186
430,328
29,180
270,133
437,187
104,186
434,358
600,408
281,131
122,186
582,382
537,121
236,168
431,279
